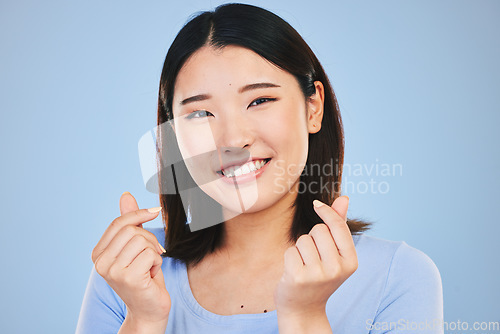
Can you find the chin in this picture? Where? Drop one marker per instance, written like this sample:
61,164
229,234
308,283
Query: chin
251,205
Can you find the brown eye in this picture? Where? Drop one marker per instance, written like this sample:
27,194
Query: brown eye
261,100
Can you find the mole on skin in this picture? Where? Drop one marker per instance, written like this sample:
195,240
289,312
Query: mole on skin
265,311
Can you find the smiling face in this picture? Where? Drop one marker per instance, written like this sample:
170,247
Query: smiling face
232,107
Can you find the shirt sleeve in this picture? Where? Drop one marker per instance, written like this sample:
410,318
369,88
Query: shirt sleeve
102,309
412,301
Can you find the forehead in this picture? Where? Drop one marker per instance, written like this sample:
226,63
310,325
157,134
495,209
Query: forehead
209,70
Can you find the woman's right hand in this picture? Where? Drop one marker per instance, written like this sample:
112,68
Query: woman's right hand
128,257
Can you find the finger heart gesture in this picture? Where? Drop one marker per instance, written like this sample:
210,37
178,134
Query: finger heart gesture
318,263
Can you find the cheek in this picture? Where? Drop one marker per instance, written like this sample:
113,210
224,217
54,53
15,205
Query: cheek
287,128
194,140
290,139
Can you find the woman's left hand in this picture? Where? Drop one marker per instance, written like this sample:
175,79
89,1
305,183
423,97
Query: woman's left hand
317,265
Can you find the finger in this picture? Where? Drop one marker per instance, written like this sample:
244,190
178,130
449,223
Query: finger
108,262
123,239
126,234
325,244
132,249
148,260
293,262
134,218
335,218
127,203
308,250
155,269
341,205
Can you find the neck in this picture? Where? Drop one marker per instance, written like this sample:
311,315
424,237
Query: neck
260,238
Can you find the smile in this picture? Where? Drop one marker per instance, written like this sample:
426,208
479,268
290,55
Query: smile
244,169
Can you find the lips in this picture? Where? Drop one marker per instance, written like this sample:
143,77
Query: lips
245,174
236,163
244,168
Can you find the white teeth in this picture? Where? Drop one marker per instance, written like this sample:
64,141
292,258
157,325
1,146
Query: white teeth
244,169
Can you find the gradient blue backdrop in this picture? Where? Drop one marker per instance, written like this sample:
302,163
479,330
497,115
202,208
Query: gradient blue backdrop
417,83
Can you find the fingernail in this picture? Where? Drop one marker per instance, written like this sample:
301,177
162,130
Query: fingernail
154,210
347,197
125,192
317,203
163,249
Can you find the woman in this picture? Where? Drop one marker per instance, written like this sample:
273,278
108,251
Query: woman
265,247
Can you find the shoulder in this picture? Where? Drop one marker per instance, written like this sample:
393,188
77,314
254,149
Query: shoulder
405,270
395,281
401,254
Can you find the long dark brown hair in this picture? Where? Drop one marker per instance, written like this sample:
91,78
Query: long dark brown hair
274,39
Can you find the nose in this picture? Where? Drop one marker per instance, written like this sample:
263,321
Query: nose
235,132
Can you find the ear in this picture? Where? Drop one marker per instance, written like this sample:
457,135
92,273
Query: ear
315,106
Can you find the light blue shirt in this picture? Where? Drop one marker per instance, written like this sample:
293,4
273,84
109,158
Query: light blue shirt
396,289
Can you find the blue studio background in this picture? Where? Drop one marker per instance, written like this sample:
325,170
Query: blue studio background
418,87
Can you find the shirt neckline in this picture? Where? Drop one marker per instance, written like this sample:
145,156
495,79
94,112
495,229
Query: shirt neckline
187,297
198,310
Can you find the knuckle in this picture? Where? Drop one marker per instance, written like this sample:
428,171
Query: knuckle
333,272
115,222
148,234
139,238
338,270
319,231
317,275
320,228
94,255
129,230
147,243
150,252
100,268
137,213
304,238
114,272
344,271
353,265
128,280
158,258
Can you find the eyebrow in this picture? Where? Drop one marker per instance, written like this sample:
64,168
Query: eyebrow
201,97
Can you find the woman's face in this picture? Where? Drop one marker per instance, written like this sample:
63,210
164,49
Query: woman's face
231,107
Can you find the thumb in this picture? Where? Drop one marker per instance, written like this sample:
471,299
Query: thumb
340,205
127,203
